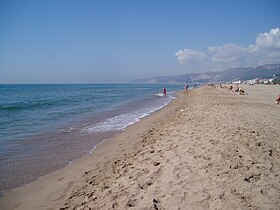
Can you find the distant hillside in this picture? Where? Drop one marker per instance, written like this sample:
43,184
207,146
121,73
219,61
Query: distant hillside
233,74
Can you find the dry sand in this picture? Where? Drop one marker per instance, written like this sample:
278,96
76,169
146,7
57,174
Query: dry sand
209,149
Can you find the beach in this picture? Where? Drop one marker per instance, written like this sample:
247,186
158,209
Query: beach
210,148
43,128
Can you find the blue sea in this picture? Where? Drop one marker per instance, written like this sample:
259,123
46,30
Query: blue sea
45,127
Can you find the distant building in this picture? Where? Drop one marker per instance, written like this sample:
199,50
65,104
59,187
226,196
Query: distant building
237,82
252,81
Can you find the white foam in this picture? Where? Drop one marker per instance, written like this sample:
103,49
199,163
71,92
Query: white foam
159,94
116,123
120,122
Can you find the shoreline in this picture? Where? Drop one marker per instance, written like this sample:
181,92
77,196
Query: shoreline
41,153
178,156
108,142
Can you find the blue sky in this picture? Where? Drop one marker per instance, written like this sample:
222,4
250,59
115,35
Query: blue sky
101,41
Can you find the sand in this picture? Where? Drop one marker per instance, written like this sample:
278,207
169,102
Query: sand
209,149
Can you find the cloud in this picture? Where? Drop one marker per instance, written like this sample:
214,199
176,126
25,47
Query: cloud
185,55
270,41
233,55
265,50
228,52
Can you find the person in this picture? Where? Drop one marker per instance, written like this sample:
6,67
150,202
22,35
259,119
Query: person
241,92
278,99
187,86
164,91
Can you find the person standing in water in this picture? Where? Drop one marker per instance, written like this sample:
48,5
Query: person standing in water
164,91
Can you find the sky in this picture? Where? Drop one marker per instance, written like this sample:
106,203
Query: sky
115,41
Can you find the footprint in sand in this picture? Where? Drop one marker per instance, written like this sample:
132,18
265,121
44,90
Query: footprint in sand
214,142
131,203
145,185
155,204
156,163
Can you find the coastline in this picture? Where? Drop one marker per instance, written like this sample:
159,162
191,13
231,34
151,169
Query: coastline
74,133
204,150
38,187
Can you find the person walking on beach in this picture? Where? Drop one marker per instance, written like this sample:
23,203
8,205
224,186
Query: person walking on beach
164,91
187,86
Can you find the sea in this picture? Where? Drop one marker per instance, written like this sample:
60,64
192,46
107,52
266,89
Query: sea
44,127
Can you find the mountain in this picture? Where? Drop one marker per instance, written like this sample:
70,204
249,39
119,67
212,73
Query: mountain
233,74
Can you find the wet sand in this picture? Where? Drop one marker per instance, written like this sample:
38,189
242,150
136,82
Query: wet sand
209,149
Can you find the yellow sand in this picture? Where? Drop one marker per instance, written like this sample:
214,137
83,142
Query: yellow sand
209,149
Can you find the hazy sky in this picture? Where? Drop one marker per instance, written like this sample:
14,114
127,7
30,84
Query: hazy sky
102,41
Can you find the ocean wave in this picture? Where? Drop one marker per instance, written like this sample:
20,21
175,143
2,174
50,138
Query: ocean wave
120,122
115,123
26,105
